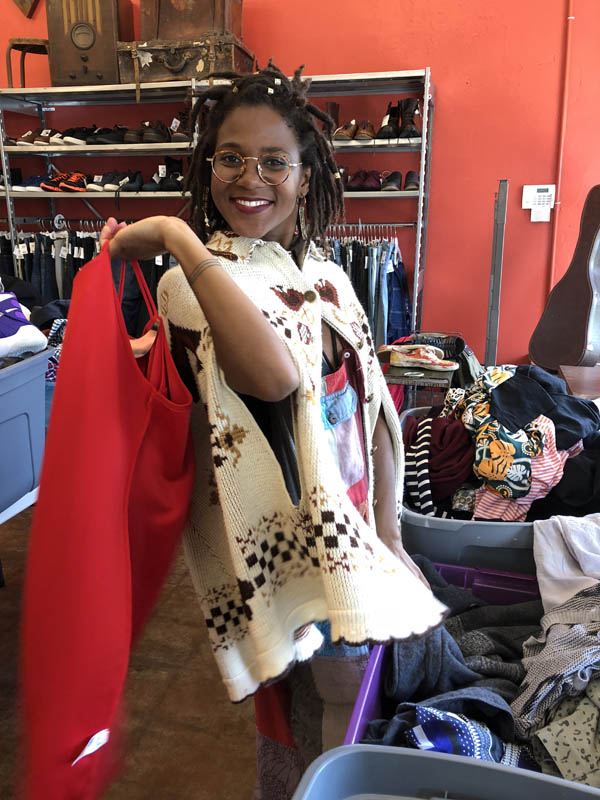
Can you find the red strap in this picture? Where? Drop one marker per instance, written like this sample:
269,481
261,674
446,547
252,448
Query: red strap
150,305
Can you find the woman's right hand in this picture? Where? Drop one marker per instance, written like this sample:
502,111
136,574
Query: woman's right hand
140,240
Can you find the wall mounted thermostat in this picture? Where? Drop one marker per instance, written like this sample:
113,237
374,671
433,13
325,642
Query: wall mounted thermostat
540,199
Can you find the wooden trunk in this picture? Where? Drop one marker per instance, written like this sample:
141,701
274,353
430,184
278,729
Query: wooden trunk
182,60
184,20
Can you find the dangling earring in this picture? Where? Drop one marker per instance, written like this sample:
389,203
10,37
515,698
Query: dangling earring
207,224
302,217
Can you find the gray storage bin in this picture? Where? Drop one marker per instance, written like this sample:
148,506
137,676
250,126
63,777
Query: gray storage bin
22,428
373,772
506,546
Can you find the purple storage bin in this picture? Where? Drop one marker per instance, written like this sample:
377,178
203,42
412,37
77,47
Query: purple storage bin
497,588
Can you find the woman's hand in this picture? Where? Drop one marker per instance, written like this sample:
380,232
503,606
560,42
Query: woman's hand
394,543
141,240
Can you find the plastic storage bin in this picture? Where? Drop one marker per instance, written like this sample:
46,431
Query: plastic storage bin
492,545
371,772
22,432
498,588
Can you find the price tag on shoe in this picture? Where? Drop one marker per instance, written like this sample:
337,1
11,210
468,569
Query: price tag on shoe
175,124
162,171
45,132
97,178
156,177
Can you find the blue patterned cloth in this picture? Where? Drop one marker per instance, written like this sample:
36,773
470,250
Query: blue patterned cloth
446,732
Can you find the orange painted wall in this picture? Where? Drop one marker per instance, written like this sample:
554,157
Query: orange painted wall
497,69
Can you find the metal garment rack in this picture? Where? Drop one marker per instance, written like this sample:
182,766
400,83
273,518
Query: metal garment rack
38,101
493,320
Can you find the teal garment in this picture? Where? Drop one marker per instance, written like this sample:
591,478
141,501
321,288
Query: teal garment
502,458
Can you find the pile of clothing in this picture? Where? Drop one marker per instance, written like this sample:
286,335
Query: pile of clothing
516,684
510,448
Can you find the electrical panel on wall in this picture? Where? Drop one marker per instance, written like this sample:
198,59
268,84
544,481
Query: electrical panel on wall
540,199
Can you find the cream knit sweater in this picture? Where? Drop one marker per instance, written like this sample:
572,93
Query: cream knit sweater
262,567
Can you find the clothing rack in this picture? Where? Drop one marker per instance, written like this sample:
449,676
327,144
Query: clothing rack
373,230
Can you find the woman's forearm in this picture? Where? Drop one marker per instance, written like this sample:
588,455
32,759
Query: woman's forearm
248,350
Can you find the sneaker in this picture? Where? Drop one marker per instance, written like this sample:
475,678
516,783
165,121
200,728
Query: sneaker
92,138
44,137
116,181
17,334
72,136
134,184
32,184
28,139
53,184
155,133
172,183
96,183
114,136
152,185
76,182
16,177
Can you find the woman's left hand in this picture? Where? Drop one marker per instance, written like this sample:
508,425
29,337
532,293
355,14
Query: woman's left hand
394,543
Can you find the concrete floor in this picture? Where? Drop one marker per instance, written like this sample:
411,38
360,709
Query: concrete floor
186,740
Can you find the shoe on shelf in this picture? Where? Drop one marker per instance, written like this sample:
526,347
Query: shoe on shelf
174,165
75,136
356,181
45,135
155,133
390,124
172,183
153,185
76,182
134,182
117,180
132,136
115,135
53,184
16,177
93,137
408,108
372,181
181,133
411,182
31,184
96,184
365,132
346,132
28,138
392,182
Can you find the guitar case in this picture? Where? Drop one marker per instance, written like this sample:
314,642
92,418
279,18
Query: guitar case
569,329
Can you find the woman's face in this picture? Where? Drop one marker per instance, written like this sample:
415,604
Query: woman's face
251,207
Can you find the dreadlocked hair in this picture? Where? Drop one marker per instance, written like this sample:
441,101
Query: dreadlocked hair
270,87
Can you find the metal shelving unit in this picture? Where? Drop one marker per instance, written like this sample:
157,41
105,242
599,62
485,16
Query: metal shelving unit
38,101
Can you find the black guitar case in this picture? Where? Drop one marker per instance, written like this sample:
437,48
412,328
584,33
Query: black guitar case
569,329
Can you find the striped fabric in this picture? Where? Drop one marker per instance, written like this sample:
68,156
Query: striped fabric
546,471
416,471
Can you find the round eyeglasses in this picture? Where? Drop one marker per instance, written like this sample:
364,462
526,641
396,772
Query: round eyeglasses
273,168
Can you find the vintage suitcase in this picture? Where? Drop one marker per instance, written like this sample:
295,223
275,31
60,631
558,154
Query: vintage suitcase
149,61
184,20
83,40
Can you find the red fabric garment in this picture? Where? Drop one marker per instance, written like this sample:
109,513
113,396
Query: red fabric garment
114,495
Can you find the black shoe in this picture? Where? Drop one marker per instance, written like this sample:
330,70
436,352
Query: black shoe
72,136
116,182
155,133
92,138
153,185
390,128
114,136
172,183
132,137
134,184
99,181
16,177
408,108
174,165
392,182
411,182
182,134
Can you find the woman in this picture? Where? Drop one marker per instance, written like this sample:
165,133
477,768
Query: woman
299,457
